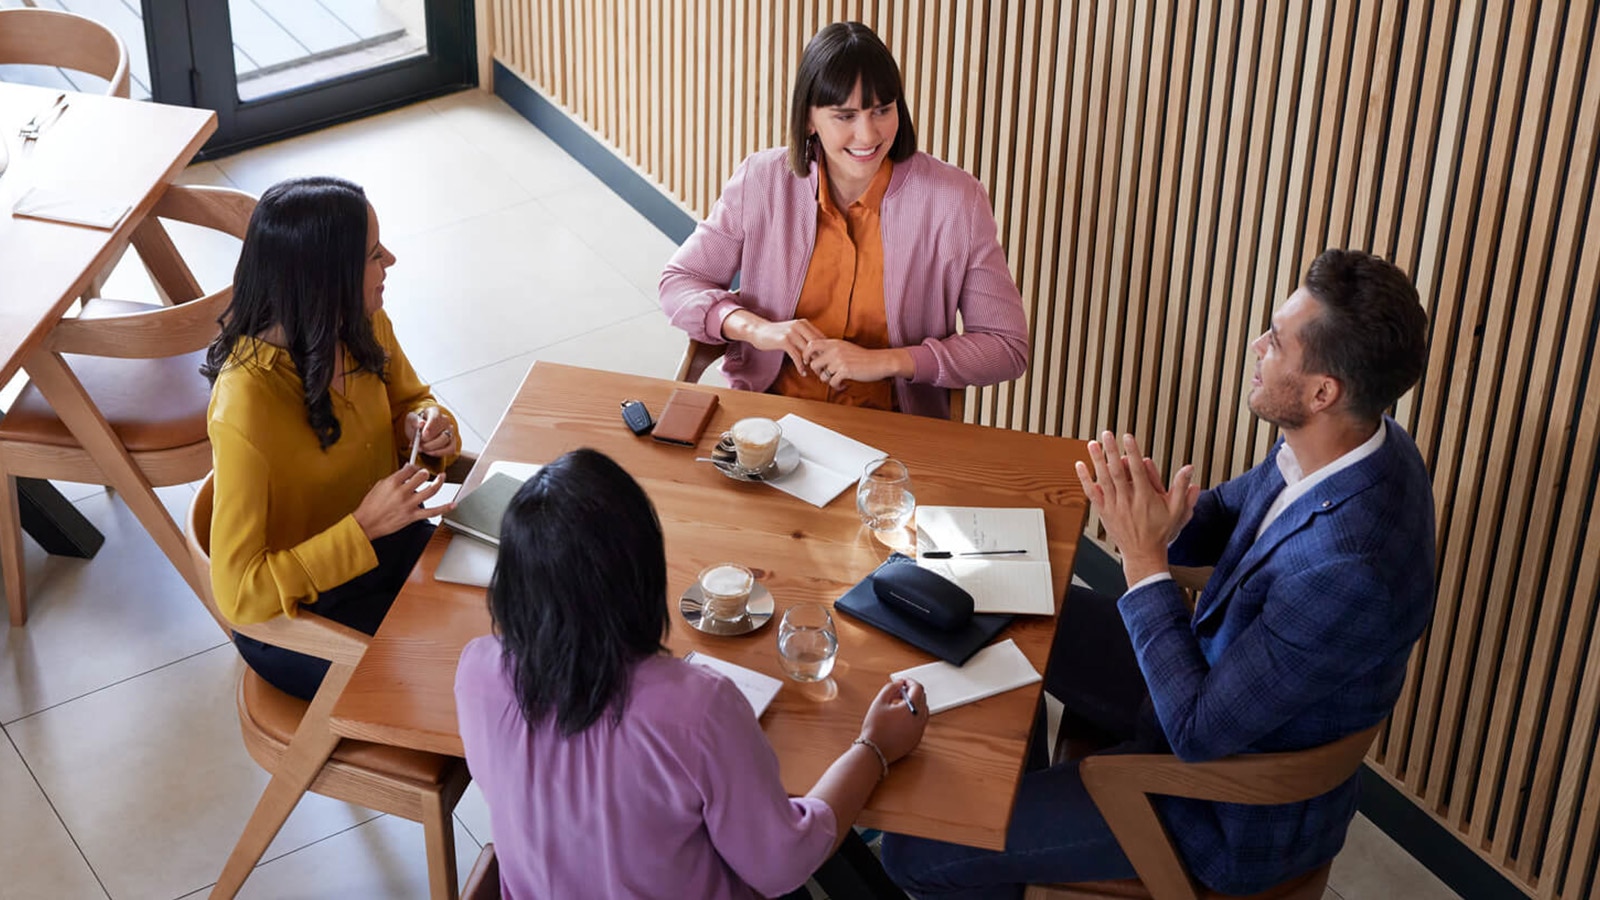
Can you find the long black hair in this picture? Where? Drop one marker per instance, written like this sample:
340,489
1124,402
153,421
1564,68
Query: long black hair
302,267
840,55
579,591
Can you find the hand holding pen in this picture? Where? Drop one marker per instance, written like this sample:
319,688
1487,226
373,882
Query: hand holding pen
431,433
896,719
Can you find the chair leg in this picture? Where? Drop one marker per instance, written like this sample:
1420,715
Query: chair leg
304,758
439,835
11,550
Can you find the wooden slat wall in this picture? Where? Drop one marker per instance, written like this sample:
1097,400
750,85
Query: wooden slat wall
1163,171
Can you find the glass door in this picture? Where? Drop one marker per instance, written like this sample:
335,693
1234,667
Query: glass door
272,68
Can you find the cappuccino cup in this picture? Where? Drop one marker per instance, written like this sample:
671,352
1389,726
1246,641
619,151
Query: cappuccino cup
755,443
726,588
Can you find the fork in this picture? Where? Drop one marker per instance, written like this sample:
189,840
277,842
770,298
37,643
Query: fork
30,131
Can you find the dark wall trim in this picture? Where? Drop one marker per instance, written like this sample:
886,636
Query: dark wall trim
1430,843
582,146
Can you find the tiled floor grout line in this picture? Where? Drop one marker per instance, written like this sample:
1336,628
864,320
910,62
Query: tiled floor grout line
55,812
533,350
264,861
124,680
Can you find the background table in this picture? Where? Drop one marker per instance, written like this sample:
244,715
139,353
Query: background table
119,149
958,785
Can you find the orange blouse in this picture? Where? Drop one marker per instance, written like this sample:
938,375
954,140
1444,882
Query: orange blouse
843,292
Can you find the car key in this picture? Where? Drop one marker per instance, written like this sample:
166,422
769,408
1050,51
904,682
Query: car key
637,417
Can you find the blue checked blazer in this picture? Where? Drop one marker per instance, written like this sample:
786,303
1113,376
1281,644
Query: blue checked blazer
1299,638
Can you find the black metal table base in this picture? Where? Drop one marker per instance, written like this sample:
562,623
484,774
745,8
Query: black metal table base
56,524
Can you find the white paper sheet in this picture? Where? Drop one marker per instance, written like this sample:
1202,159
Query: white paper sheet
1000,587
993,670
757,688
829,461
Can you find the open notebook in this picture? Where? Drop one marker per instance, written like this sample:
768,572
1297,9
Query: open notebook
1002,583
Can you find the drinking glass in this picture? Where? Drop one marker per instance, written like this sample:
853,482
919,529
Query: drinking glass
884,496
807,642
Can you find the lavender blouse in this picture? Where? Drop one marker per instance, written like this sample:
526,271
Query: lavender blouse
681,799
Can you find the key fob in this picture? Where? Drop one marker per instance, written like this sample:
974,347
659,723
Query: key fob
637,417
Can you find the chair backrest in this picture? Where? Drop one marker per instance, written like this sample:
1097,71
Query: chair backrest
1122,785
197,534
191,323
47,37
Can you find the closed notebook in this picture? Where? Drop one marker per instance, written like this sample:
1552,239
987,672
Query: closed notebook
954,647
479,513
995,670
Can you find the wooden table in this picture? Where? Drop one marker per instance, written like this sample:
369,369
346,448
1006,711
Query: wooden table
958,786
120,149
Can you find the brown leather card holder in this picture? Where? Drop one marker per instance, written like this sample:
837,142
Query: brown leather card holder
685,417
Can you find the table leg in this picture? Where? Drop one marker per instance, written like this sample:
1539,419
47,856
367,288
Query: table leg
56,524
65,394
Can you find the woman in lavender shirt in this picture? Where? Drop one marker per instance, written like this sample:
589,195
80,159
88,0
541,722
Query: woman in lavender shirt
612,769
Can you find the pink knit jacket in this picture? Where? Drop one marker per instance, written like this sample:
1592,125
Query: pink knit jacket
941,256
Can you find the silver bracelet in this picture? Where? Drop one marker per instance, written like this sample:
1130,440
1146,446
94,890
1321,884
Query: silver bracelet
882,760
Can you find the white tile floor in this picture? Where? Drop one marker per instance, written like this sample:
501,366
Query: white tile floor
122,774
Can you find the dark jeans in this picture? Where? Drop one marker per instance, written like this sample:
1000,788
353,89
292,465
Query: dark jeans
360,603
1056,833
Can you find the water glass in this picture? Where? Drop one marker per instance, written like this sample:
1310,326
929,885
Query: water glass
884,496
807,642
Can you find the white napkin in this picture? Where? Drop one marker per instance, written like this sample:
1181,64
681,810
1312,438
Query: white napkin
829,461
993,670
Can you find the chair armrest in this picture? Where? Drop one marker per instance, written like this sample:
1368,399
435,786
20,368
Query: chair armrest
1257,778
312,635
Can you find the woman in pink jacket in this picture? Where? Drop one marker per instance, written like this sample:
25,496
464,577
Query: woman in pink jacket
854,253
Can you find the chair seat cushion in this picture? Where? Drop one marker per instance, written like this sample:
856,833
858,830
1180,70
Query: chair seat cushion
151,404
276,715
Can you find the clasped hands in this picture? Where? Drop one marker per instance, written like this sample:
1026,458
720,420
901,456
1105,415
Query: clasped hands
833,360
1140,514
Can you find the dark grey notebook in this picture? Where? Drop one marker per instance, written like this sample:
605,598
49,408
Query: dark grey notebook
479,513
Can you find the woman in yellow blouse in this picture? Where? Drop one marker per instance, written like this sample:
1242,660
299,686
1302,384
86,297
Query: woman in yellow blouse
314,409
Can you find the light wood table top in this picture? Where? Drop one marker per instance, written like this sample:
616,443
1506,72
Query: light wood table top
958,785
126,149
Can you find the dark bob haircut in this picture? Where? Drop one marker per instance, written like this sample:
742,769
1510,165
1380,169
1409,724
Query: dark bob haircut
1372,333
839,56
302,266
579,593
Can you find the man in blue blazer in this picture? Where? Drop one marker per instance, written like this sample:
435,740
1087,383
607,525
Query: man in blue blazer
1322,579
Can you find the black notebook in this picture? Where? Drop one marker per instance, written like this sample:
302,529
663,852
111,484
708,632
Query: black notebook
954,647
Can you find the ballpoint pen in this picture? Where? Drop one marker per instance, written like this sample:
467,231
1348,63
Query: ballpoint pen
36,124
416,439
946,554
905,694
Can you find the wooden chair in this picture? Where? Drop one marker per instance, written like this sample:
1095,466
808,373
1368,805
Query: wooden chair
698,356
1121,786
483,882
139,365
292,739
46,37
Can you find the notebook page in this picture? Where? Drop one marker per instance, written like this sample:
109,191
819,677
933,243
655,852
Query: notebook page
1000,587
961,529
993,670
829,461
757,688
